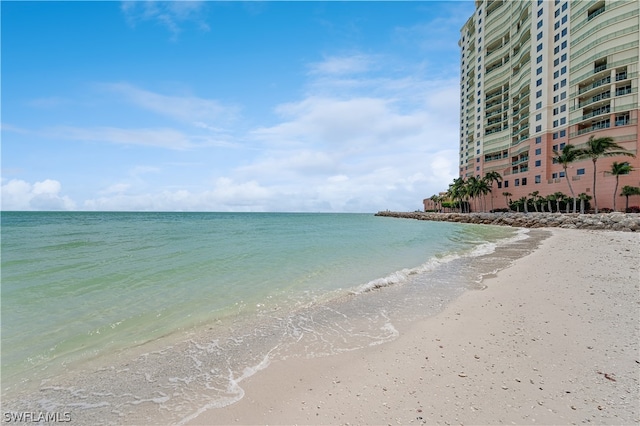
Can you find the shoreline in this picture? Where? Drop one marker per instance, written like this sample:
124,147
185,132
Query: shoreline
628,222
544,343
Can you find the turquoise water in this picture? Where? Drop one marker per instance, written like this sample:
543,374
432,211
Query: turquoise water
96,290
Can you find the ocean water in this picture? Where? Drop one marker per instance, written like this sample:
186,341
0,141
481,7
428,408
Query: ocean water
130,318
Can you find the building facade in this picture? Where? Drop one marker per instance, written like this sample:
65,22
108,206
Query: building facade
539,74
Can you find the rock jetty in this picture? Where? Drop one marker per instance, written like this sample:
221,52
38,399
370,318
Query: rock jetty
629,222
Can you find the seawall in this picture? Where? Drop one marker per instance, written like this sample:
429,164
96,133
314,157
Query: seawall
629,222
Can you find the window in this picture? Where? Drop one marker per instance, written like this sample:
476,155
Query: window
516,182
538,163
556,62
563,120
556,49
556,74
539,71
563,133
556,86
539,48
538,151
499,184
562,145
539,59
539,36
563,57
554,176
538,179
539,24
555,135
538,117
563,95
563,83
563,108
564,6
540,13
538,105
557,13
555,99
563,45
506,183
477,160
561,174
555,111
556,37
557,25
555,123
538,139
478,152
538,128
564,19
580,172
539,82
524,181
539,94
563,32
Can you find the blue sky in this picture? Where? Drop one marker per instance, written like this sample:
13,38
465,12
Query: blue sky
229,106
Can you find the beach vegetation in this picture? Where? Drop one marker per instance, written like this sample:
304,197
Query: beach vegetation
618,169
506,196
584,200
568,155
600,147
490,178
628,191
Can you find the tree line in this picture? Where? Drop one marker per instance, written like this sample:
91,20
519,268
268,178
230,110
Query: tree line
463,193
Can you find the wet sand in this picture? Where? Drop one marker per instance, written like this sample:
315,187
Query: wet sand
553,339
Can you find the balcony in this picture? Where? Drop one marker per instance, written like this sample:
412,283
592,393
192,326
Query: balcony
598,83
520,161
599,111
599,97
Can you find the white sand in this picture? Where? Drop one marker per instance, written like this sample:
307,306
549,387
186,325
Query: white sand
554,339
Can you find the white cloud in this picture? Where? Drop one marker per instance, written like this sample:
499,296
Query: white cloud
202,113
340,65
160,138
172,15
45,195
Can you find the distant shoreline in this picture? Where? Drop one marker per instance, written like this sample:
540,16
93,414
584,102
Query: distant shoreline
628,222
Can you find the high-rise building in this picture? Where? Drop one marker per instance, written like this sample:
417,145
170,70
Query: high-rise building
536,75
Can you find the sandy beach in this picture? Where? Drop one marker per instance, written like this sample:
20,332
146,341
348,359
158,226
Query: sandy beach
553,339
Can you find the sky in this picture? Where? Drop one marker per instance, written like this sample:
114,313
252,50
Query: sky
229,106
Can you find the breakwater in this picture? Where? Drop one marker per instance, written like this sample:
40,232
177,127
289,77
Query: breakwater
629,222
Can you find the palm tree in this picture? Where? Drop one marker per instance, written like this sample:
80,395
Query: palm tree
506,197
549,198
627,191
534,198
583,197
456,190
435,199
601,147
568,155
618,169
484,187
491,177
559,196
